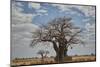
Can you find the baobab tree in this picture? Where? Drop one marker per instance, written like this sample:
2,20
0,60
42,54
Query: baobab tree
62,33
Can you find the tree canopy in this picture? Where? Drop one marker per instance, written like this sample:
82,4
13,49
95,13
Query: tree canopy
61,32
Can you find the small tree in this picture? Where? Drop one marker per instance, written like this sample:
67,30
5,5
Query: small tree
46,52
41,52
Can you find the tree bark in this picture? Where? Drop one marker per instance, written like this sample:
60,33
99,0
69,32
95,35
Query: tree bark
56,50
61,54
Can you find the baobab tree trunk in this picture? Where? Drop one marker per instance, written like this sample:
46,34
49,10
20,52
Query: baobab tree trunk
61,54
56,50
57,57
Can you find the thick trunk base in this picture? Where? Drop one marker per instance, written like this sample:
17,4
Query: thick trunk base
60,55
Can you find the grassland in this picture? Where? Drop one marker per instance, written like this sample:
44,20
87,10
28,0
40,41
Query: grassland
36,61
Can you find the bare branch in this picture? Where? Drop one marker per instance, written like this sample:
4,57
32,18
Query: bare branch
74,40
57,31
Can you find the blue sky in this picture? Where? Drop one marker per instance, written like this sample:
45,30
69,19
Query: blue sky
27,16
53,12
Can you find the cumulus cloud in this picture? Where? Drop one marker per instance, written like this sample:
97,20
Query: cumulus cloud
42,11
73,9
87,10
61,7
19,4
22,27
38,8
88,37
34,5
18,17
90,27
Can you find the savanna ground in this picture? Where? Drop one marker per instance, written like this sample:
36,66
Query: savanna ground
50,60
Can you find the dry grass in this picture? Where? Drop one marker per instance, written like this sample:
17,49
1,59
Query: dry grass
33,61
80,59
84,58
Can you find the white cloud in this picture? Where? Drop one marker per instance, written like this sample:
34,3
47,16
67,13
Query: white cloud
19,4
87,10
61,7
25,27
89,34
38,9
42,11
18,17
22,27
90,27
34,5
